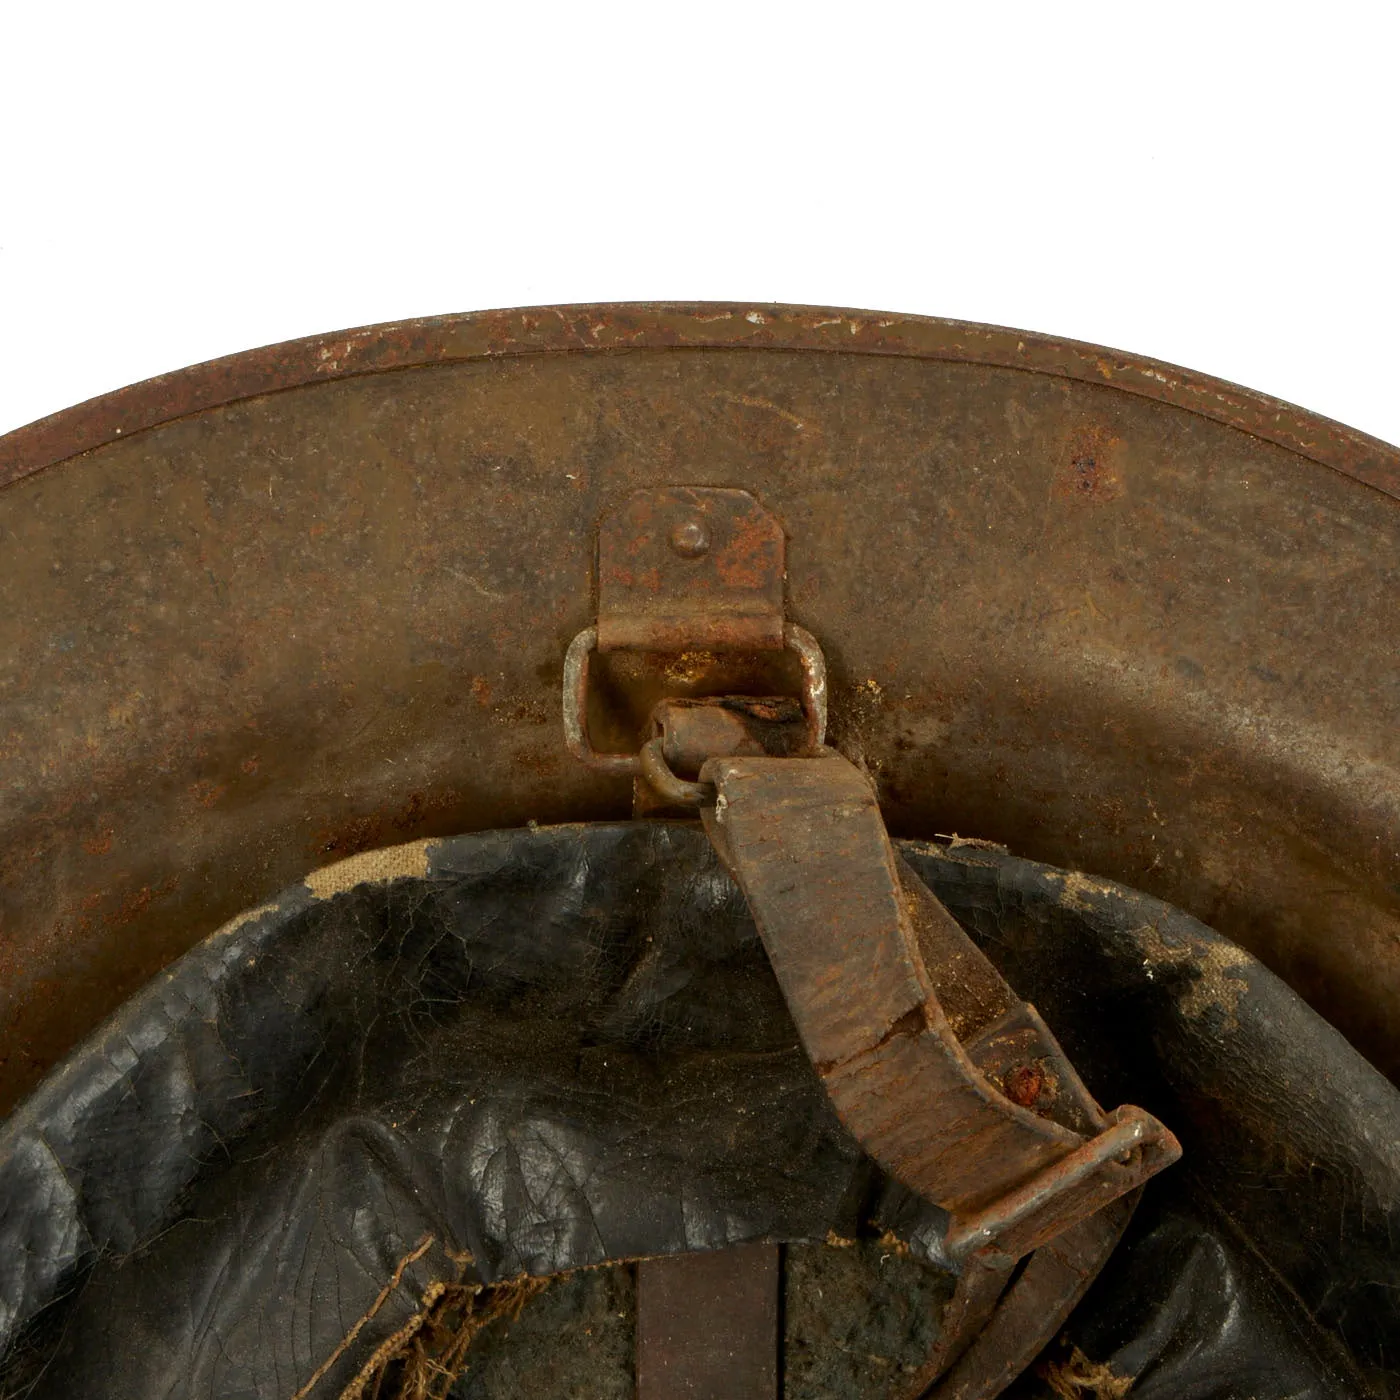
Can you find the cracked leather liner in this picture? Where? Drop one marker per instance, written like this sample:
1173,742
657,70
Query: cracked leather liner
558,1047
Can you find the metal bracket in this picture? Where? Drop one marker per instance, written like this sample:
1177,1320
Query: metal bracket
691,567
688,568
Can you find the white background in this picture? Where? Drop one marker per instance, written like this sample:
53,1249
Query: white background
1214,185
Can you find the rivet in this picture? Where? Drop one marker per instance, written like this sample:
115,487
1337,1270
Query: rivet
690,539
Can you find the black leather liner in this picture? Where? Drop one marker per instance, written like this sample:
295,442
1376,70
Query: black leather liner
559,1047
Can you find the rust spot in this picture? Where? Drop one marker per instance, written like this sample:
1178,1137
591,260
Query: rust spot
481,691
520,710
752,555
136,904
368,832
132,906
1092,467
543,765
356,835
207,792
422,806
775,709
99,845
249,765
1024,1084
1086,472
689,668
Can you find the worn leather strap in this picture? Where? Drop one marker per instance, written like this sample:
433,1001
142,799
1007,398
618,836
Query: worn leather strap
925,1052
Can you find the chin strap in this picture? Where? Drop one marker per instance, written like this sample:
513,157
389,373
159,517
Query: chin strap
949,1081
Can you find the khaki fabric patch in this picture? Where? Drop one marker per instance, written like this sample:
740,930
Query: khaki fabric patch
370,868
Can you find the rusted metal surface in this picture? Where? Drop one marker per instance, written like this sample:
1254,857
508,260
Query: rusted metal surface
690,569
685,573
992,1332
1133,1147
1063,609
686,732
577,665
658,775
707,1325
577,701
692,731
444,340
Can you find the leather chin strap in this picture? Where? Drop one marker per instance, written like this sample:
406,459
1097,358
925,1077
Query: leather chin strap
947,1079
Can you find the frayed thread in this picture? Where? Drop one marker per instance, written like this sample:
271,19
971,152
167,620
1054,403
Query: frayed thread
423,1359
1082,1379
